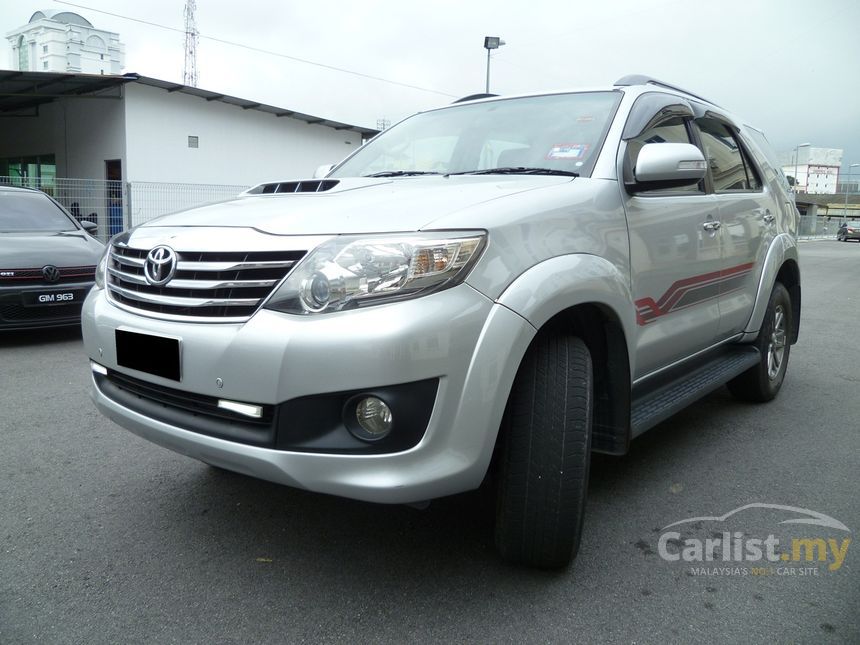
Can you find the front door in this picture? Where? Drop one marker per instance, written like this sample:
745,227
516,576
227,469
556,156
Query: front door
675,262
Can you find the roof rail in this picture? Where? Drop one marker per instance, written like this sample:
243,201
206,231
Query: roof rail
474,97
641,79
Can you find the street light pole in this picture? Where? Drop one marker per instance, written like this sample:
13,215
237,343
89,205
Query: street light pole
796,154
490,43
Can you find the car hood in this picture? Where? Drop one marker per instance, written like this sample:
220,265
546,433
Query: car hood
35,250
358,205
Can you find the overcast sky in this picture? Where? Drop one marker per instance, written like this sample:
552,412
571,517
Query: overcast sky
790,67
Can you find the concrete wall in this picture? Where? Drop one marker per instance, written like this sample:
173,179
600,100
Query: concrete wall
82,133
235,146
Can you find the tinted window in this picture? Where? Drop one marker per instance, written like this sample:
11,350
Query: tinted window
31,212
767,157
731,170
673,130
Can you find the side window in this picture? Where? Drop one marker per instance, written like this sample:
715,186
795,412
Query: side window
672,130
731,168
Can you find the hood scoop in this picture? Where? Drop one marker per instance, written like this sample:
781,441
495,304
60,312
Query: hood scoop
305,186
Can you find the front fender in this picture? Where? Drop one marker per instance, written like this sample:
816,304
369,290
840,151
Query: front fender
565,281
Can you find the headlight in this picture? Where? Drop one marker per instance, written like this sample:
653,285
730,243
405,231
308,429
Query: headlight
101,268
352,271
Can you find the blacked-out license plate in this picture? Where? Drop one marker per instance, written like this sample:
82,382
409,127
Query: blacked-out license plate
48,298
158,355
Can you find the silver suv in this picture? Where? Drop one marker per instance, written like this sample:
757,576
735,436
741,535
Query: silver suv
486,292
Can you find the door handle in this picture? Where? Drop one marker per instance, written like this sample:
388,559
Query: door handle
711,226
768,217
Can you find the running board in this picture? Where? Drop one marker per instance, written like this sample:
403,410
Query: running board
659,404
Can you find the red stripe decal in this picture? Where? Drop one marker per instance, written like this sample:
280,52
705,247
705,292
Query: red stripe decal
648,310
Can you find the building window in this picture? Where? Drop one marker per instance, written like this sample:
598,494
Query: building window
23,59
37,172
102,56
193,141
44,49
44,64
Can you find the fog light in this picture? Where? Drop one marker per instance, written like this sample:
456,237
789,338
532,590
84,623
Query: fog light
374,417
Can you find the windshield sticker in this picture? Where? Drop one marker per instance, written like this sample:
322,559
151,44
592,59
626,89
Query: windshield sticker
568,151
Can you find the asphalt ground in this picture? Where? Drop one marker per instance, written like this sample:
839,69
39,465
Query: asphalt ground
105,538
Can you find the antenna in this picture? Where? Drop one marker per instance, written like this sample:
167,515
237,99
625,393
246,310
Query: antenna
189,71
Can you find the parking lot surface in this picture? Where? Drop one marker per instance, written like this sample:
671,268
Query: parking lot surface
105,538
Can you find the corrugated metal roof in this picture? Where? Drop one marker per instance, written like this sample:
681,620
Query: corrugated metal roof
22,92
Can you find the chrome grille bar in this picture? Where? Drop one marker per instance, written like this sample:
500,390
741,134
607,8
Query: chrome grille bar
196,284
231,266
185,302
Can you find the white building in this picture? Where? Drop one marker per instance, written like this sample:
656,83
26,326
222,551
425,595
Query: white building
62,41
816,170
154,140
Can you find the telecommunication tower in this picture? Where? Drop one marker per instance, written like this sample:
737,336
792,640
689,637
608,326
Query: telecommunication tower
189,71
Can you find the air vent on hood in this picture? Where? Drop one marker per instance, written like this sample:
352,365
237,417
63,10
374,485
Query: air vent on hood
307,186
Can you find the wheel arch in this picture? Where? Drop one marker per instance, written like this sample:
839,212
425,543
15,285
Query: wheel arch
781,264
601,331
587,296
789,276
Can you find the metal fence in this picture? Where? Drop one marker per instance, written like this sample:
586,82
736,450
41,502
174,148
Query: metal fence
151,199
821,227
115,205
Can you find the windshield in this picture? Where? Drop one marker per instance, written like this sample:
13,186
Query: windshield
560,133
31,211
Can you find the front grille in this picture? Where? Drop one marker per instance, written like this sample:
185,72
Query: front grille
216,285
34,277
11,311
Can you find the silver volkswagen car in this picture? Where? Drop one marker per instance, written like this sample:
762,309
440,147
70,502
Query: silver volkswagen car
485,293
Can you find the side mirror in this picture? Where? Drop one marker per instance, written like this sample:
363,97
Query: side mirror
323,170
90,227
667,165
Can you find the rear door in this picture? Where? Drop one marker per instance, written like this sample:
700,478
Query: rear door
747,216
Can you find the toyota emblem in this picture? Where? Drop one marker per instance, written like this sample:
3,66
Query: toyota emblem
160,265
50,273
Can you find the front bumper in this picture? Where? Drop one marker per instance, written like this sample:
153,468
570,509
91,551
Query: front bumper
457,338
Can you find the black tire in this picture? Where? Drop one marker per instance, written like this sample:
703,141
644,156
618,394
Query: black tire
545,454
762,382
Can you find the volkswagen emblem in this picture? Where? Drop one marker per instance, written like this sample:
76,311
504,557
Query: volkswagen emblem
160,265
50,273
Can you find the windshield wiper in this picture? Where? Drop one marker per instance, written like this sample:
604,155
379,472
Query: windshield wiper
401,173
518,170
